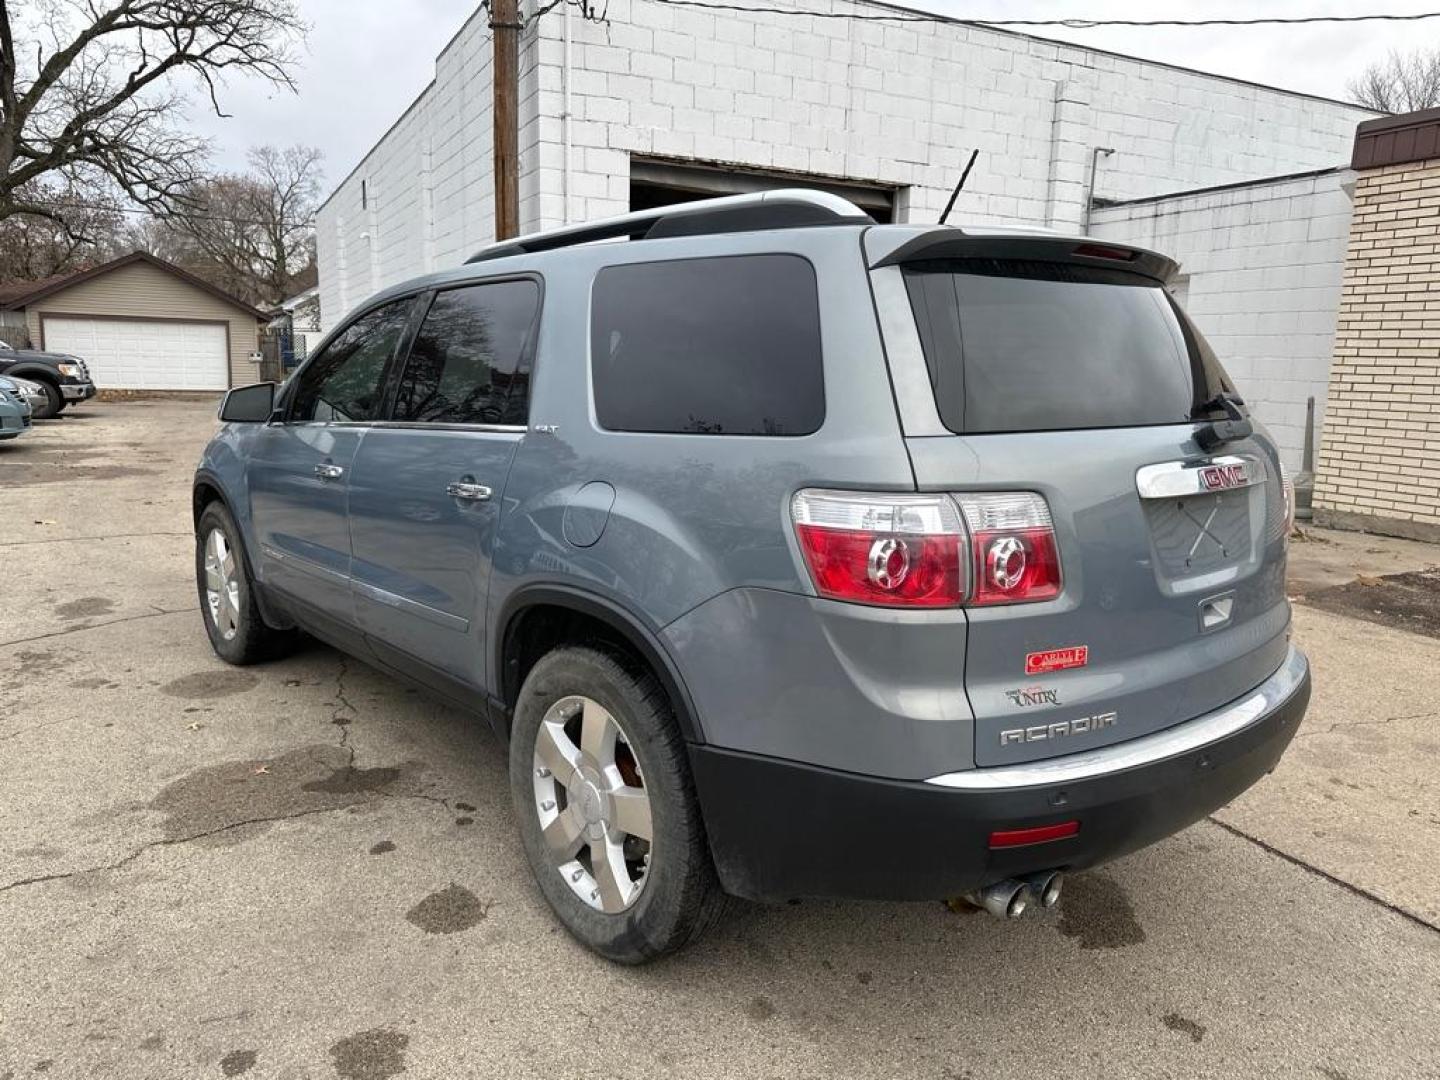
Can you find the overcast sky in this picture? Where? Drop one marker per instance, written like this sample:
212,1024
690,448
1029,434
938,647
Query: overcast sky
366,60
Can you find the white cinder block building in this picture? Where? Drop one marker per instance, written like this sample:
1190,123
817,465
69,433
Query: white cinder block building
1262,265
663,103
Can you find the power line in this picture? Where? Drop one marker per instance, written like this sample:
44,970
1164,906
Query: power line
1071,24
172,216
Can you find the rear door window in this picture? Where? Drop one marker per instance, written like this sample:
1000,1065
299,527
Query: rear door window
1032,346
722,346
471,359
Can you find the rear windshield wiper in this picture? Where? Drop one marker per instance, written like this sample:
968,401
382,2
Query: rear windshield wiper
1235,426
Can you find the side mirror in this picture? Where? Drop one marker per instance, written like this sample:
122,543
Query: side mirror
249,404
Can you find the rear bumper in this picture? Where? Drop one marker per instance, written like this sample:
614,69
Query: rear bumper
782,829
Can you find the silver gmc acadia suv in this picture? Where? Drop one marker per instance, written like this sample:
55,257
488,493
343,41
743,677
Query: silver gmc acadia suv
790,554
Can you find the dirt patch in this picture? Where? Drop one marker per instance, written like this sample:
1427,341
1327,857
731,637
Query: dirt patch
94,682
448,911
24,474
85,607
760,1009
210,684
1184,1025
1095,909
238,1061
384,847
370,1055
1409,601
219,797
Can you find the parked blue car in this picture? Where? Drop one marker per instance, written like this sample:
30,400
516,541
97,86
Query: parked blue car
14,410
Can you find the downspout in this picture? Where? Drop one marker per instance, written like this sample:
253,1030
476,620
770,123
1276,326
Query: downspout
565,122
1095,153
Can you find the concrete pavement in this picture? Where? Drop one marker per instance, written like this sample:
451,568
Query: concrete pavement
305,870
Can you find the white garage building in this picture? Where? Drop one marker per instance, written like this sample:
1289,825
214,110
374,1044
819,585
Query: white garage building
663,102
141,323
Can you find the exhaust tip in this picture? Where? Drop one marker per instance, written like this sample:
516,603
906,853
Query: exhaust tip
1046,887
1018,903
1008,899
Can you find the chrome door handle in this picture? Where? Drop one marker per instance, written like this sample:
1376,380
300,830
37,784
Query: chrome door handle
474,492
329,472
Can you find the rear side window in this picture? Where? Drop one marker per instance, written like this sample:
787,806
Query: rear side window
724,346
470,363
346,382
1031,346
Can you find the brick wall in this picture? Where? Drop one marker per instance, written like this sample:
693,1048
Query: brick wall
1380,466
896,104
1260,273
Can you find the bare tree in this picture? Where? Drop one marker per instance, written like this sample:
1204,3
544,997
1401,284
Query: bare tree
1404,82
251,233
85,228
89,94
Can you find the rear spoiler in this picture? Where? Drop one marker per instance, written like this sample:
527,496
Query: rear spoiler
890,247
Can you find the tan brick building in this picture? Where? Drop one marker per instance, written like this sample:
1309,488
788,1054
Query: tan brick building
1379,467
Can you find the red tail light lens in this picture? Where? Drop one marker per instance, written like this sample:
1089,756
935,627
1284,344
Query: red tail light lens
1014,556
911,550
892,550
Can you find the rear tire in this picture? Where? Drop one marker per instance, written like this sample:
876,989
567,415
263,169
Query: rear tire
237,632
628,897
54,405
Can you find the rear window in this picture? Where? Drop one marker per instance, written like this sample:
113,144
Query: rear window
1031,346
724,346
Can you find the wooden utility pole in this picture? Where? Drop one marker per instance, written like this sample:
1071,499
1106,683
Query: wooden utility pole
505,32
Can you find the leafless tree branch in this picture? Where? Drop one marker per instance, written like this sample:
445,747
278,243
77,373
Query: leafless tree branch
1403,82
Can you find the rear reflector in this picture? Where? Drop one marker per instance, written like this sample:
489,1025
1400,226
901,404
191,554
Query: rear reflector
1006,838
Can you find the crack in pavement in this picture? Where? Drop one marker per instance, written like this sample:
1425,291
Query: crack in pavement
1350,887
97,625
80,539
1368,723
342,705
205,834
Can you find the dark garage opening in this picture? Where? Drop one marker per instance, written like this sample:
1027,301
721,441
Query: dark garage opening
656,182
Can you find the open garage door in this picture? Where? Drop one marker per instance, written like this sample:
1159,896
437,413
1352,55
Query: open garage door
144,354
656,182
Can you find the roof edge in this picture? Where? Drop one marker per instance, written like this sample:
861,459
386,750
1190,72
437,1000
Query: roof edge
81,276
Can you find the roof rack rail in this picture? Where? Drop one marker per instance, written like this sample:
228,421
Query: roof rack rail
783,208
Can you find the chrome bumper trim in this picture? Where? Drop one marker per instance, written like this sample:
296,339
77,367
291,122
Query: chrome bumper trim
1148,749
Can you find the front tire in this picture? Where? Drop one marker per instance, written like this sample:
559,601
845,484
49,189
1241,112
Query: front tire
54,402
607,809
237,632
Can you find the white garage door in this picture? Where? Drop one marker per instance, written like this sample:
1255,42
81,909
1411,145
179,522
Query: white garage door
135,354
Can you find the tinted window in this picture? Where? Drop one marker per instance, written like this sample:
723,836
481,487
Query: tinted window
470,363
708,346
347,380
1017,346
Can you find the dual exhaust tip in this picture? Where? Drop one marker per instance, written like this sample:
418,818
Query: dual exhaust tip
1011,898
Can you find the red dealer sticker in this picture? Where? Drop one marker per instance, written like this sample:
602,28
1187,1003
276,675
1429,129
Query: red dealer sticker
1038,663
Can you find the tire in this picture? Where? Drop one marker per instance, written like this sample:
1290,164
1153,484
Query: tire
54,405
237,632
678,895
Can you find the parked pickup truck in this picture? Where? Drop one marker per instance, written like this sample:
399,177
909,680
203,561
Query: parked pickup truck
65,378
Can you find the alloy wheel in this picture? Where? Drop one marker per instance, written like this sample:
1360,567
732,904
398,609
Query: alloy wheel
222,584
592,803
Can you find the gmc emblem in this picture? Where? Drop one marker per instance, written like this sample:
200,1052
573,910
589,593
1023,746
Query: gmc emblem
1222,477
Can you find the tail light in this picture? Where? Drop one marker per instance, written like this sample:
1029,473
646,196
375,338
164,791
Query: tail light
1012,546
895,550
916,550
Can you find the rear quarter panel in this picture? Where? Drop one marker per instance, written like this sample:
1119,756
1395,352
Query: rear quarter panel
693,515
